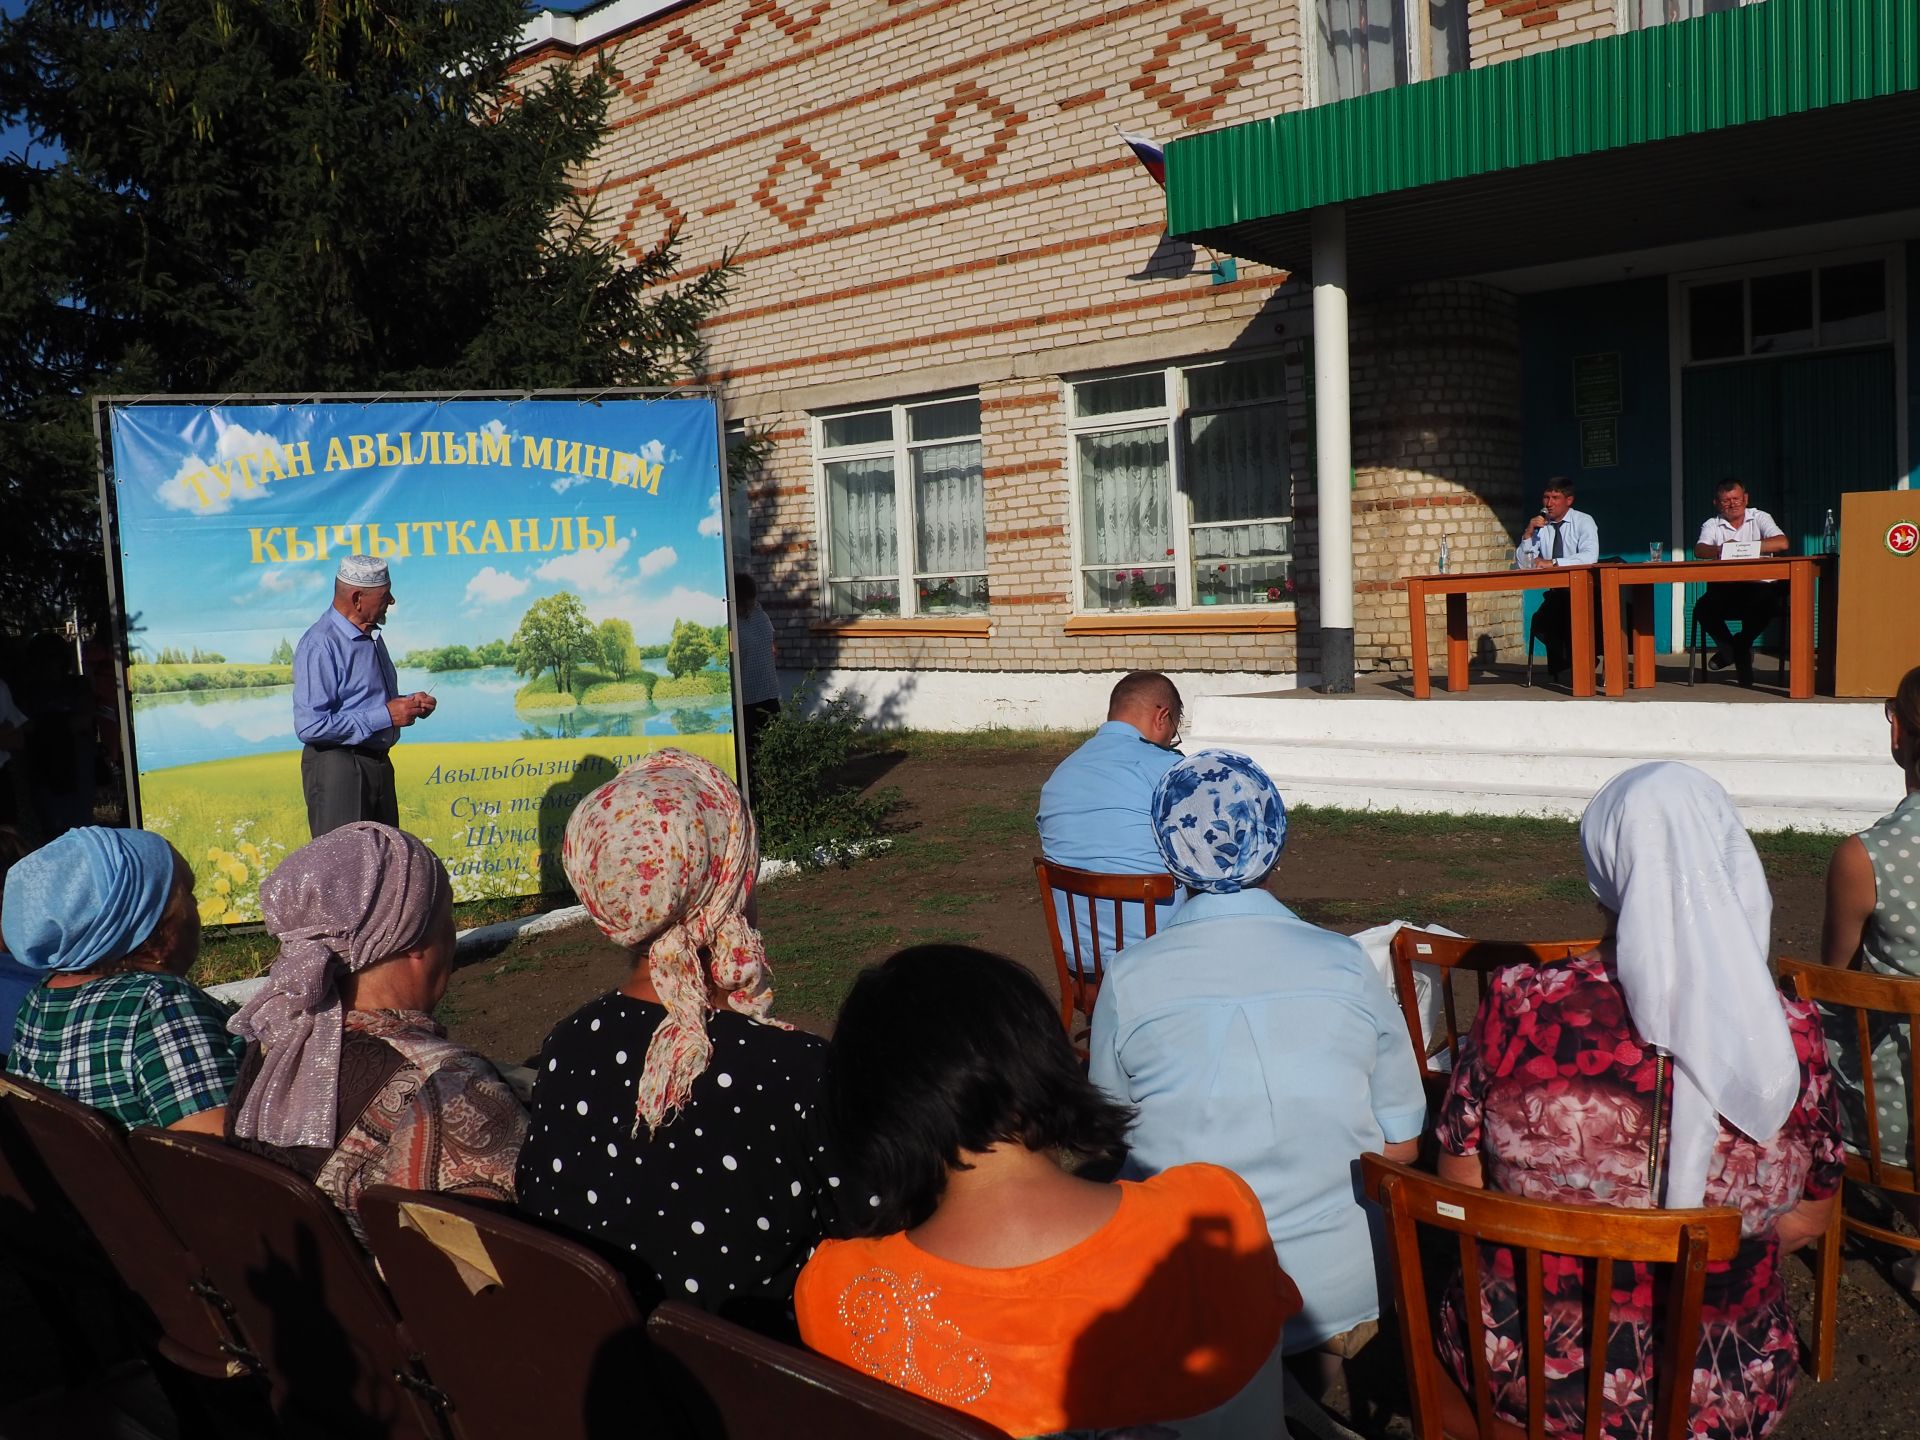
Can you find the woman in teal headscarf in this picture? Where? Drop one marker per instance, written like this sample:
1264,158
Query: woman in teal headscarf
109,917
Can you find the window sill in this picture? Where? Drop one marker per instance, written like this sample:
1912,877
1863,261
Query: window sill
1209,621
956,627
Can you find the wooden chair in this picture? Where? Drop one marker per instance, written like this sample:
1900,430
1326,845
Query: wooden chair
1865,995
324,1329
1685,1240
1079,967
1448,954
526,1332
187,1321
753,1387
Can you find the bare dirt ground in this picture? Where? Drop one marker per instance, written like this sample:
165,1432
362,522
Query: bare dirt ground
960,868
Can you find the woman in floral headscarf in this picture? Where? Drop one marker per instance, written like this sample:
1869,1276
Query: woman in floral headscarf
674,1121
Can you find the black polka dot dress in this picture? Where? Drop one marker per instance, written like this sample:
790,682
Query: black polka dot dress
723,1204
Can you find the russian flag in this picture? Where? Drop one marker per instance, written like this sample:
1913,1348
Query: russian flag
1150,154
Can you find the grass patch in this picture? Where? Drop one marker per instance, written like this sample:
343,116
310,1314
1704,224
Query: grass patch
946,902
995,824
701,682
935,745
814,965
1805,851
619,692
942,935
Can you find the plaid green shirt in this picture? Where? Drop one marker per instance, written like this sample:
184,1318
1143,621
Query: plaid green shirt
147,1049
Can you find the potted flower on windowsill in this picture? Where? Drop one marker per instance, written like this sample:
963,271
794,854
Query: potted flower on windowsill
1211,582
941,595
1282,593
878,602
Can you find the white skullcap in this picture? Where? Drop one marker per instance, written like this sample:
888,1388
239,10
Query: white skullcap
362,571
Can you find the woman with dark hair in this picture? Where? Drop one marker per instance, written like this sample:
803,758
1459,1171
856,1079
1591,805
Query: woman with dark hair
1873,923
994,1278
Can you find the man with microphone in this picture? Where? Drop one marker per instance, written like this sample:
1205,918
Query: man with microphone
346,703
1558,535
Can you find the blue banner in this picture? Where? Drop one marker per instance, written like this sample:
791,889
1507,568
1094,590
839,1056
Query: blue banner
559,574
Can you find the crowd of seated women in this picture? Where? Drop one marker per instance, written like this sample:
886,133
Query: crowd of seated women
943,1195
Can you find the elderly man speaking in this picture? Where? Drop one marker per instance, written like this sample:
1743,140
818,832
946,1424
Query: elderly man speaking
346,703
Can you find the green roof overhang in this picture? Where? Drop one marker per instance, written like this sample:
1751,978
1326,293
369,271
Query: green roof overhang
1781,113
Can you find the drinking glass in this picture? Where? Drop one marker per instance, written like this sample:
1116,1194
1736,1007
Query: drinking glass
1656,550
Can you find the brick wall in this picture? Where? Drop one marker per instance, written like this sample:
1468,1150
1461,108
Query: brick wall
1507,29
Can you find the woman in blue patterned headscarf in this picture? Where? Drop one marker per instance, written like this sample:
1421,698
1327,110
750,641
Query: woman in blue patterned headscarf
1245,1037
1219,821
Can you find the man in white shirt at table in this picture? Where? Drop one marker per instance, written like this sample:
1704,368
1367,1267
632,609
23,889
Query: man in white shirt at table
1753,603
1558,535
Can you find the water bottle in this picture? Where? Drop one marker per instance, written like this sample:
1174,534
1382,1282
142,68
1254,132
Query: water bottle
1446,552
1829,537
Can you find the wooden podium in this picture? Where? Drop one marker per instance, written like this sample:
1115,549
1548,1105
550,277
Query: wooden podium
1877,630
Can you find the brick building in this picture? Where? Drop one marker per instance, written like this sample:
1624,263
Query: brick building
1021,427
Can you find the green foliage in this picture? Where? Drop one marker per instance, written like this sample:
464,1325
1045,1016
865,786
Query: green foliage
653,652
615,638
636,689
717,638
292,196
690,648
806,811
494,652
699,683
554,635
168,676
205,657
453,657
282,653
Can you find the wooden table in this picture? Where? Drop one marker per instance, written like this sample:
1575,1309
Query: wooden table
1576,580
1635,627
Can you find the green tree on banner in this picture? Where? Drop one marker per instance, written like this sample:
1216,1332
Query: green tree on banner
291,196
617,650
689,650
555,635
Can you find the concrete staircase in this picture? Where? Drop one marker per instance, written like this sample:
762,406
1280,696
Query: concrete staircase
1820,766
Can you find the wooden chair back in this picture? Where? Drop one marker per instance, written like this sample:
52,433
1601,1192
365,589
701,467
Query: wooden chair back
1449,954
84,1152
1891,998
525,1332
319,1320
753,1387
1685,1240
1079,965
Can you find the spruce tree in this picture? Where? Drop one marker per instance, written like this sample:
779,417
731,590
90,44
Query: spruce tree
291,196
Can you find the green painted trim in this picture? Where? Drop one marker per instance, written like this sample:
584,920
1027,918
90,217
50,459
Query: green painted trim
1759,62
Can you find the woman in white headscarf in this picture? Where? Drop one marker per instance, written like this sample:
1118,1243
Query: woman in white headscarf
1661,1069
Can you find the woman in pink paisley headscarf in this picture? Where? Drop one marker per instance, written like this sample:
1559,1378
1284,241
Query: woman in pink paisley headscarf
674,1121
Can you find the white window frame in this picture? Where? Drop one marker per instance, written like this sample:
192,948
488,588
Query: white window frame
1891,258
1413,25
899,449
1629,15
1172,414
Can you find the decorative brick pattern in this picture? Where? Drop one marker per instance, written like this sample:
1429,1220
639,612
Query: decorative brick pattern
1507,29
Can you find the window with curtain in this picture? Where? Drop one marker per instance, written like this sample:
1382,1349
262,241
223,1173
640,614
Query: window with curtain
1662,12
906,509
1366,45
1183,487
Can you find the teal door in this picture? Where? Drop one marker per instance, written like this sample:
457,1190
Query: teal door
1799,431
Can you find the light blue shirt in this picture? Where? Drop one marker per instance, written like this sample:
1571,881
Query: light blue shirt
1579,542
1096,813
1248,1038
342,680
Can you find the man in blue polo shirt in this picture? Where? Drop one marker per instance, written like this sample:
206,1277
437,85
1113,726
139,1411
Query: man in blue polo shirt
1096,808
347,708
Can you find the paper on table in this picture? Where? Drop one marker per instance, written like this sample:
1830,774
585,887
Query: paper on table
1740,550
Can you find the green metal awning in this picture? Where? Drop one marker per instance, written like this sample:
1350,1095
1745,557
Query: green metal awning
1773,114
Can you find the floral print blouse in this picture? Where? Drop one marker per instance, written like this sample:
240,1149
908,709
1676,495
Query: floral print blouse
1556,1091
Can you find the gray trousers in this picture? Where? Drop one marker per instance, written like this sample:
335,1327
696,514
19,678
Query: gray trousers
344,784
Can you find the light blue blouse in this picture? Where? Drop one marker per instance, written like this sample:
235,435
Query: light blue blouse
1248,1038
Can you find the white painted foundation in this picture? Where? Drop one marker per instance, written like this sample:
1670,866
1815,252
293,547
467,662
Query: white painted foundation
1009,699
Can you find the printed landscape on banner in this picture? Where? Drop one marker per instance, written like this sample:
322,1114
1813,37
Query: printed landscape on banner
559,574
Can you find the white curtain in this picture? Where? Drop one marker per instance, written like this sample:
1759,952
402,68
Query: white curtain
1123,498
949,506
861,514
1659,12
1362,44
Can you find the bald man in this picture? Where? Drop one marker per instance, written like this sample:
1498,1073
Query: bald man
1096,809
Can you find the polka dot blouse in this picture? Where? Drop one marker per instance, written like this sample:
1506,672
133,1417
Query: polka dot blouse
723,1204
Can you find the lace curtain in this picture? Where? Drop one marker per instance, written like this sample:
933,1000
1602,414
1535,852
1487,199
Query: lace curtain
949,510
1362,44
1123,498
861,513
1660,12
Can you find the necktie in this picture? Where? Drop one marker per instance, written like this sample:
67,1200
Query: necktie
1557,551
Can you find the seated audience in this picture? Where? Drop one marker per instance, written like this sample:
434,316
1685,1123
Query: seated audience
995,1280
1873,911
1661,1069
1096,808
674,1122
1246,1037
348,1078
108,917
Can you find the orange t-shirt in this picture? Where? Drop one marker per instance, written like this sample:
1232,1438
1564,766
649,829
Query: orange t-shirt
1164,1312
